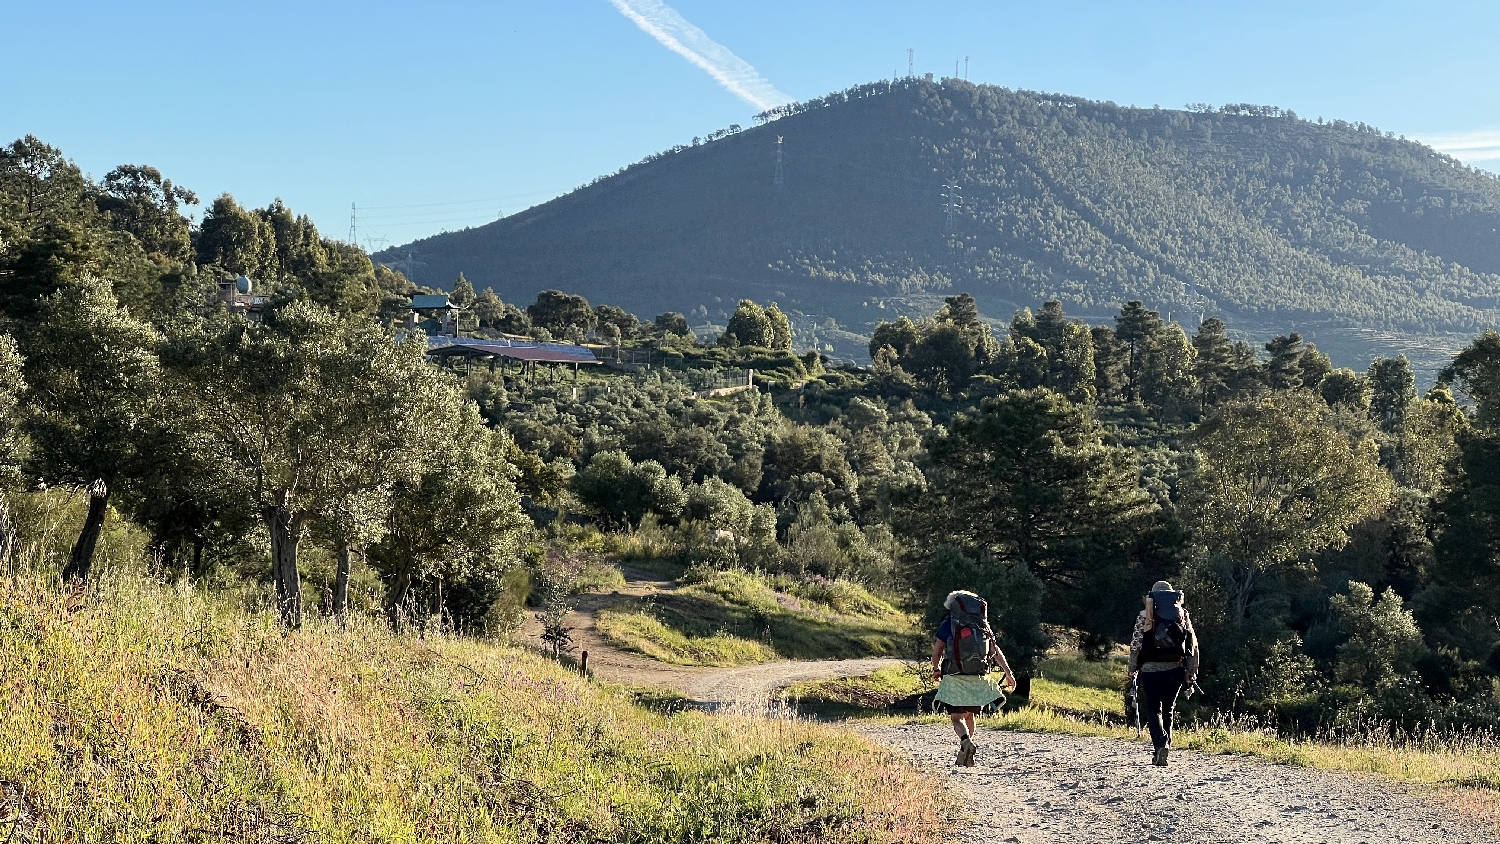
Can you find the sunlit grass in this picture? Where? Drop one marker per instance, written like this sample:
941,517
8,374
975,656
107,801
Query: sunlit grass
726,618
164,712
644,634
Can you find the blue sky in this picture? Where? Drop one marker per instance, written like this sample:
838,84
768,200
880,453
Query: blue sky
438,115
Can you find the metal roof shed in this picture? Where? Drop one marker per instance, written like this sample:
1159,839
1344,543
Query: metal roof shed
431,302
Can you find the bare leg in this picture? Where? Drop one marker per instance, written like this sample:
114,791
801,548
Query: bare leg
969,723
960,727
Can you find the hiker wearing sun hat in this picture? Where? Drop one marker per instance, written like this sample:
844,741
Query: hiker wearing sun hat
1163,659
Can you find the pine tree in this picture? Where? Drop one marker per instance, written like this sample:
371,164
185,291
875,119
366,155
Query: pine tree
1214,364
1135,327
1283,370
1393,387
1028,478
781,328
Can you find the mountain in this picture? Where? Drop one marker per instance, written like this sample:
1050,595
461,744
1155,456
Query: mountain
1365,242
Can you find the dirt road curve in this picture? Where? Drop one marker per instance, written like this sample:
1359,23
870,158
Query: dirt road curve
749,687
1048,789
753,685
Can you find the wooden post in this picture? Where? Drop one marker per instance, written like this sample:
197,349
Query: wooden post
583,663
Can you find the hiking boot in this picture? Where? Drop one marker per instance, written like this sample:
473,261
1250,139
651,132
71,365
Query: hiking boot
966,751
1160,759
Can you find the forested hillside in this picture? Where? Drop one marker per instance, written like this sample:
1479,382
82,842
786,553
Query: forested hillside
1353,237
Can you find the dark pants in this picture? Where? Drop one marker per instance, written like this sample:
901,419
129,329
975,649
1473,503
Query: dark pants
1159,690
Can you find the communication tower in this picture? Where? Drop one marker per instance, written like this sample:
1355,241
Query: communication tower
911,62
780,177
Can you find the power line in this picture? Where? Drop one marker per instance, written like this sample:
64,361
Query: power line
457,201
953,199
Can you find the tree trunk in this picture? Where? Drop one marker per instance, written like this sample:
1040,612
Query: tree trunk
285,527
1242,592
341,584
398,597
198,557
82,559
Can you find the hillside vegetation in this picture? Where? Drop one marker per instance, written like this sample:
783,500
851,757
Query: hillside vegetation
1251,213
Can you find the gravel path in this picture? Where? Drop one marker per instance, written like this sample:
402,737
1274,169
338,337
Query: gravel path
1050,789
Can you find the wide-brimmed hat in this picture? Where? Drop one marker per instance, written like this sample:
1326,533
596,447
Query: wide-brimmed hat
1162,586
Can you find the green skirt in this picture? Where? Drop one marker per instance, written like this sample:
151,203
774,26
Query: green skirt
969,689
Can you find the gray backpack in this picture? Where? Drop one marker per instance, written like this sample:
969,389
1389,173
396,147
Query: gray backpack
969,649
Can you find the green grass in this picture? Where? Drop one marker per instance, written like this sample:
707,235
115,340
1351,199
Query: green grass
737,618
644,634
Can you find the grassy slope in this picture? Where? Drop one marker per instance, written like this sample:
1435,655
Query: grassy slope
735,618
155,713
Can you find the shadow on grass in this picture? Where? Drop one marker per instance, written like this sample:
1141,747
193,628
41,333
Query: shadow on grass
793,635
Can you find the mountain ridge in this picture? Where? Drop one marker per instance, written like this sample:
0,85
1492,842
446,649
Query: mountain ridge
1245,212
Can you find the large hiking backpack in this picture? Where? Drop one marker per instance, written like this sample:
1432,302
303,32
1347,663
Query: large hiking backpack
969,625
1167,640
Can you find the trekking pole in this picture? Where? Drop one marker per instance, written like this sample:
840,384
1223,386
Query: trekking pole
1135,703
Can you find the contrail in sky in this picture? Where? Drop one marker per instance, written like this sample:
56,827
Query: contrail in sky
1481,145
663,23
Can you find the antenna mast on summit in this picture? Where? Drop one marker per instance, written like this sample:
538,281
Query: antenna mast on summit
780,178
911,62
966,68
354,223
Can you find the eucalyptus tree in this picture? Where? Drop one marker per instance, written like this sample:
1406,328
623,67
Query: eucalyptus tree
95,380
1276,482
139,200
312,417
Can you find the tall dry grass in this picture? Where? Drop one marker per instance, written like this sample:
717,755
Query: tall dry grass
150,711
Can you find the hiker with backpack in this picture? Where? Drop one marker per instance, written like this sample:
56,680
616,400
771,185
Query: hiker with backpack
1163,660
962,656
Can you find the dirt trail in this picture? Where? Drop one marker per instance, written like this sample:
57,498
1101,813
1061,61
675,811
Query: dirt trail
1052,789
1031,788
747,687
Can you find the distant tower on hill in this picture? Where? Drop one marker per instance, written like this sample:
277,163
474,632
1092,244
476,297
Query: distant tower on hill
780,176
953,199
911,62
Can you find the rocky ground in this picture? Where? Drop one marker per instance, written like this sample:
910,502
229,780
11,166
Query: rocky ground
1050,789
